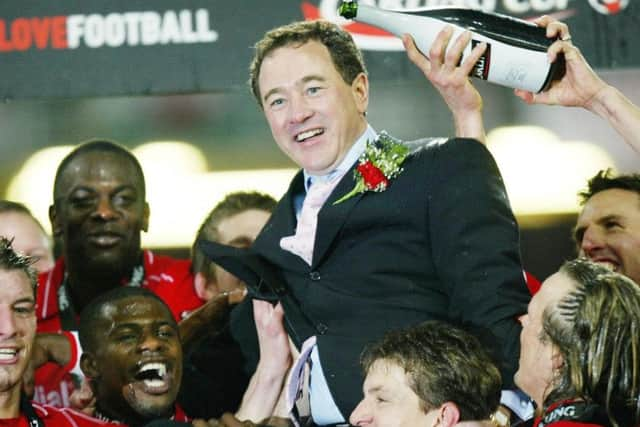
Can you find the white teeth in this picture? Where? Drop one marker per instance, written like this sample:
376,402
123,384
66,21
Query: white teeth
153,383
308,134
160,368
8,353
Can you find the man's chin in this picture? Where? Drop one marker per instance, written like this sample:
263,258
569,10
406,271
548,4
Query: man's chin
516,379
9,379
114,261
151,401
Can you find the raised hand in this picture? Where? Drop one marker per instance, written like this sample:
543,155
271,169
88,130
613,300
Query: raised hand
272,337
451,78
579,86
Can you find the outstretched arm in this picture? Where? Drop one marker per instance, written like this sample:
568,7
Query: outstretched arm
207,318
582,87
443,69
259,401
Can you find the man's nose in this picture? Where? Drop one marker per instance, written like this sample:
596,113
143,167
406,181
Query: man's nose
523,318
361,416
299,109
151,342
7,322
591,240
104,209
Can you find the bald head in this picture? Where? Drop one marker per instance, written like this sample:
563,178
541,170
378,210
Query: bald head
93,149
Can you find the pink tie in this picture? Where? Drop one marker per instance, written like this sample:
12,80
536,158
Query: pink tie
302,242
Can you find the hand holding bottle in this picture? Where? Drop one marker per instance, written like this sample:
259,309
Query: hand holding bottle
451,78
516,52
580,84
582,87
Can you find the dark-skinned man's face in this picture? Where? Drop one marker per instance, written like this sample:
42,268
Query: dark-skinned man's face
99,211
136,362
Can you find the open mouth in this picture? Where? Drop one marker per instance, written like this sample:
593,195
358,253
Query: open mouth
304,136
8,354
153,378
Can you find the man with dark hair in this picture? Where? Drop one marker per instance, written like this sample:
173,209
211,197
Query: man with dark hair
30,239
579,359
426,373
18,282
375,234
98,213
132,356
608,228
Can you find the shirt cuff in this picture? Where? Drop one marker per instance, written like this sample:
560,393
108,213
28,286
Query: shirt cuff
518,402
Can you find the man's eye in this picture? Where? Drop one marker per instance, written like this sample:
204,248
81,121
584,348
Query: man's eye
24,309
126,337
166,333
276,102
82,202
124,200
313,90
611,224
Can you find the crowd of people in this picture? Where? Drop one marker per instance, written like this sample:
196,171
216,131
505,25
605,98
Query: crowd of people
384,289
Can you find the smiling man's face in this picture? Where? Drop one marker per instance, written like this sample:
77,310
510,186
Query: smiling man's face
608,231
136,365
100,211
314,115
17,327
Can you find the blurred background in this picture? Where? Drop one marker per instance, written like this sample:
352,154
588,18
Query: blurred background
186,112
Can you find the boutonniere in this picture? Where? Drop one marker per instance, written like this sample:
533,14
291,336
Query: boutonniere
381,161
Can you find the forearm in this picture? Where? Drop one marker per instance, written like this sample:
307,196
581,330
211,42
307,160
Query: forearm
205,320
470,125
620,112
259,401
56,349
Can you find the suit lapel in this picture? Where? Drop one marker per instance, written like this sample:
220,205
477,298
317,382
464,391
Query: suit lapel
332,217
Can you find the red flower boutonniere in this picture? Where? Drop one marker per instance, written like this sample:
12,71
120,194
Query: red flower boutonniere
380,162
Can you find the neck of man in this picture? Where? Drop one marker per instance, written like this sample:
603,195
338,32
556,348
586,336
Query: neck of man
84,283
10,402
130,419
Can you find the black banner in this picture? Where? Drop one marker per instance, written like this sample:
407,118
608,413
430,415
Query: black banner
72,48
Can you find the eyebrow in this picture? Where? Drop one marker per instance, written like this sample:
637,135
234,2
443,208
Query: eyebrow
125,326
305,79
23,300
580,230
139,326
376,389
86,188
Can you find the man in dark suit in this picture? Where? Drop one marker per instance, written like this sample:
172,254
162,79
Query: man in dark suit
406,232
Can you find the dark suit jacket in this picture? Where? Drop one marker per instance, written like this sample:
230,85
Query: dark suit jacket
440,242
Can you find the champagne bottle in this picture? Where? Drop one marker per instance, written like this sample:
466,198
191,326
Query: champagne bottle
516,54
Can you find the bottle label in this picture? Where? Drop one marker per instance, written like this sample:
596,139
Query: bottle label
481,69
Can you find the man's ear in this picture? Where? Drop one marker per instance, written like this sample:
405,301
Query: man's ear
557,361
88,366
204,289
56,228
448,414
145,217
360,92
